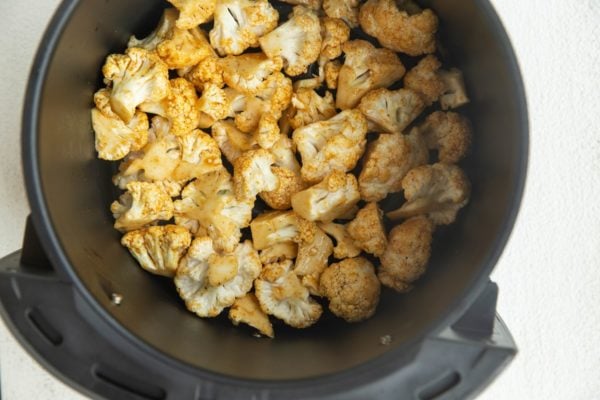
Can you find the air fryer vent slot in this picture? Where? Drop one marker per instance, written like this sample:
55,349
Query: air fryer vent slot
125,383
43,327
439,386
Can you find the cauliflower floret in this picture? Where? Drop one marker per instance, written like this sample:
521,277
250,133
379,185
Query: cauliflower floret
314,249
347,10
438,191
366,68
136,77
367,230
275,227
406,254
208,204
284,152
290,183
184,48
387,161
391,111
253,174
352,289
209,282
158,249
142,204
314,4
193,12
297,41
162,31
308,107
239,24
448,133
326,201
279,252
334,33
232,142
208,71
199,155
247,73
332,72
408,29
214,103
281,294
115,138
344,244
267,133
455,94
333,145
247,310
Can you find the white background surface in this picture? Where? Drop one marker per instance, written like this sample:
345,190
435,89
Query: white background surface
549,275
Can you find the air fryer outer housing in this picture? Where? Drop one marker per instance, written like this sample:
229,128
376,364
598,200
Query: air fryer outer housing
75,299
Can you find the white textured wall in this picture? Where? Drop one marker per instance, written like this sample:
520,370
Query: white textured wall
549,275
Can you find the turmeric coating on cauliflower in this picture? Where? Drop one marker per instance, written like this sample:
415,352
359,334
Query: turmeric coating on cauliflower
289,183
314,249
232,142
391,111
161,33
367,230
143,204
247,73
247,310
314,4
207,71
184,48
344,244
308,107
253,174
448,133
193,12
346,10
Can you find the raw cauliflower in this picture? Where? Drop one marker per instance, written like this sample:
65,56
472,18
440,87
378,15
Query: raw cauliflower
207,71
158,249
253,174
367,230
314,249
247,310
308,107
232,142
247,73
209,281
332,145
352,289
297,41
407,253
366,68
387,160
184,48
344,244
289,183
438,191
142,204
136,77
410,30
162,31
193,12
391,111
328,200
240,23
346,10
448,133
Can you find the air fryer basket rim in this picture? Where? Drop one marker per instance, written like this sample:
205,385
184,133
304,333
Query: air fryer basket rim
54,249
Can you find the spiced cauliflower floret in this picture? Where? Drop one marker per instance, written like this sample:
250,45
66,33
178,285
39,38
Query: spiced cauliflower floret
365,68
387,160
314,4
289,183
214,104
247,73
367,229
314,249
455,94
406,29
334,33
136,77
328,200
209,281
232,142
240,23
308,107
207,71
199,155
332,71
162,31
275,227
193,12
438,191
352,289
142,204
253,174
284,152
391,111
158,249
332,145
184,48
448,133
114,138
346,10
407,253
281,294
297,41
247,310
344,244
279,252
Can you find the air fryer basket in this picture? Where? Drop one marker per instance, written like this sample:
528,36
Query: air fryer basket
87,270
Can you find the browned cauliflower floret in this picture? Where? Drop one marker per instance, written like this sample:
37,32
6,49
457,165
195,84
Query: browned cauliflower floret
314,249
391,111
208,71
253,174
332,72
267,133
448,133
344,244
455,94
314,4
115,138
352,289
332,145
284,152
199,155
209,281
184,48
193,12
367,229
326,201
297,41
408,29
290,183
142,204
347,10
247,310
279,252
407,253
334,33
136,77
247,73
275,227
308,107
208,205
387,161
438,191
240,23
158,249
365,68
162,31
231,140
281,294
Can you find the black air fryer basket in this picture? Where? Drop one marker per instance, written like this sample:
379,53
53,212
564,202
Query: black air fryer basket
76,301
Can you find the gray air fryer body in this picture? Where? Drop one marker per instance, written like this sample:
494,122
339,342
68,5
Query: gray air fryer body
77,301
